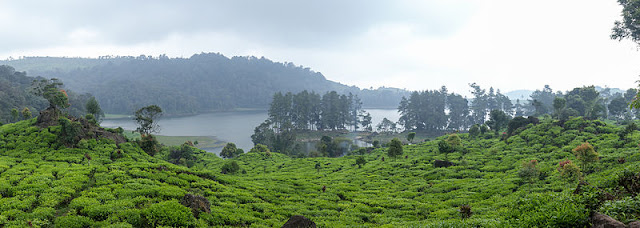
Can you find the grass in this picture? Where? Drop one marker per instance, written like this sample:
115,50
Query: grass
203,141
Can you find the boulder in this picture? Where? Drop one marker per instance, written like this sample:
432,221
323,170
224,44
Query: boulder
299,221
635,224
603,221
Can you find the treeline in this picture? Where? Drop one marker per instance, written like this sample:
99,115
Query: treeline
204,82
305,110
438,110
18,100
310,111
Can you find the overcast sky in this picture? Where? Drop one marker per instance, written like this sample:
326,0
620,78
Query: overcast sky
415,45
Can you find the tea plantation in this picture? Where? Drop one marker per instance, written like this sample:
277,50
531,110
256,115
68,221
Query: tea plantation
495,181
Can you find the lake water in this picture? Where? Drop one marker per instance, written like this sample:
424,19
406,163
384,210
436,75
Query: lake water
236,126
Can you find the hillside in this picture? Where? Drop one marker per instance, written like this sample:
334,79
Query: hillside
45,184
204,82
15,93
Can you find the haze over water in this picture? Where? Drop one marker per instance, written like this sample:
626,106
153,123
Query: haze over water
235,126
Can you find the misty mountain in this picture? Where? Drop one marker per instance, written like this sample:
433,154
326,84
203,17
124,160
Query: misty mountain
202,83
521,94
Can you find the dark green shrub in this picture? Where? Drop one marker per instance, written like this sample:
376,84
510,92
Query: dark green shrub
230,167
169,213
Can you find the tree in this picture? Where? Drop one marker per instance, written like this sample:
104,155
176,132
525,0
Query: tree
229,151
14,115
617,107
558,106
395,148
94,109
68,131
185,151
629,27
146,117
410,136
50,90
474,131
360,161
230,167
497,120
586,154
26,113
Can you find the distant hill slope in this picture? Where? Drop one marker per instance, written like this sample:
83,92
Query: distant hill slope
201,83
15,94
521,94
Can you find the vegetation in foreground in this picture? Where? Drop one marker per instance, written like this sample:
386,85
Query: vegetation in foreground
528,179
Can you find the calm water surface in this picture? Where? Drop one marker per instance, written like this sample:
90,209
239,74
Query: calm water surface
236,126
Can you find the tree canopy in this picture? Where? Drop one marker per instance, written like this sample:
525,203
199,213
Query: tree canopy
146,117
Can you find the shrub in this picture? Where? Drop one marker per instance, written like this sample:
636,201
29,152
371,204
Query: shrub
360,161
569,171
230,167
169,213
529,170
73,221
586,154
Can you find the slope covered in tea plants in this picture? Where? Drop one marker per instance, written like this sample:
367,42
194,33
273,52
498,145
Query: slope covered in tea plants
493,182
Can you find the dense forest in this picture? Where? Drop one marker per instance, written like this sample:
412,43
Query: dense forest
18,101
201,83
439,111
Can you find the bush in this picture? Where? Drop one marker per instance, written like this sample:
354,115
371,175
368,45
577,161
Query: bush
169,213
230,167
73,221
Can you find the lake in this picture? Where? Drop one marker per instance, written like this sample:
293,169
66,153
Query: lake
234,126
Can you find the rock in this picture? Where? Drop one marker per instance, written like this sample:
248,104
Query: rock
299,221
635,224
48,117
440,163
603,221
196,203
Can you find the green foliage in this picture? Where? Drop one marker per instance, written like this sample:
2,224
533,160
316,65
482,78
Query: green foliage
73,221
51,185
94,109
569,171
410,136
529,171
249,81
586,154
169,213
628,27
146,118
26,113
360,161
624,210
230,151
69,131
395,148
14,114
230,167
474,131
149,144
497,120
549,210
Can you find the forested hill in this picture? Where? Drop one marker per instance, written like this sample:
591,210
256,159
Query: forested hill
201,83
16,97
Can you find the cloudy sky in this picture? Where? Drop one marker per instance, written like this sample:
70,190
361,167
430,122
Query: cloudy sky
408,44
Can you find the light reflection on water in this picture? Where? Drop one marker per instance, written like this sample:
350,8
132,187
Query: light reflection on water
236,126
